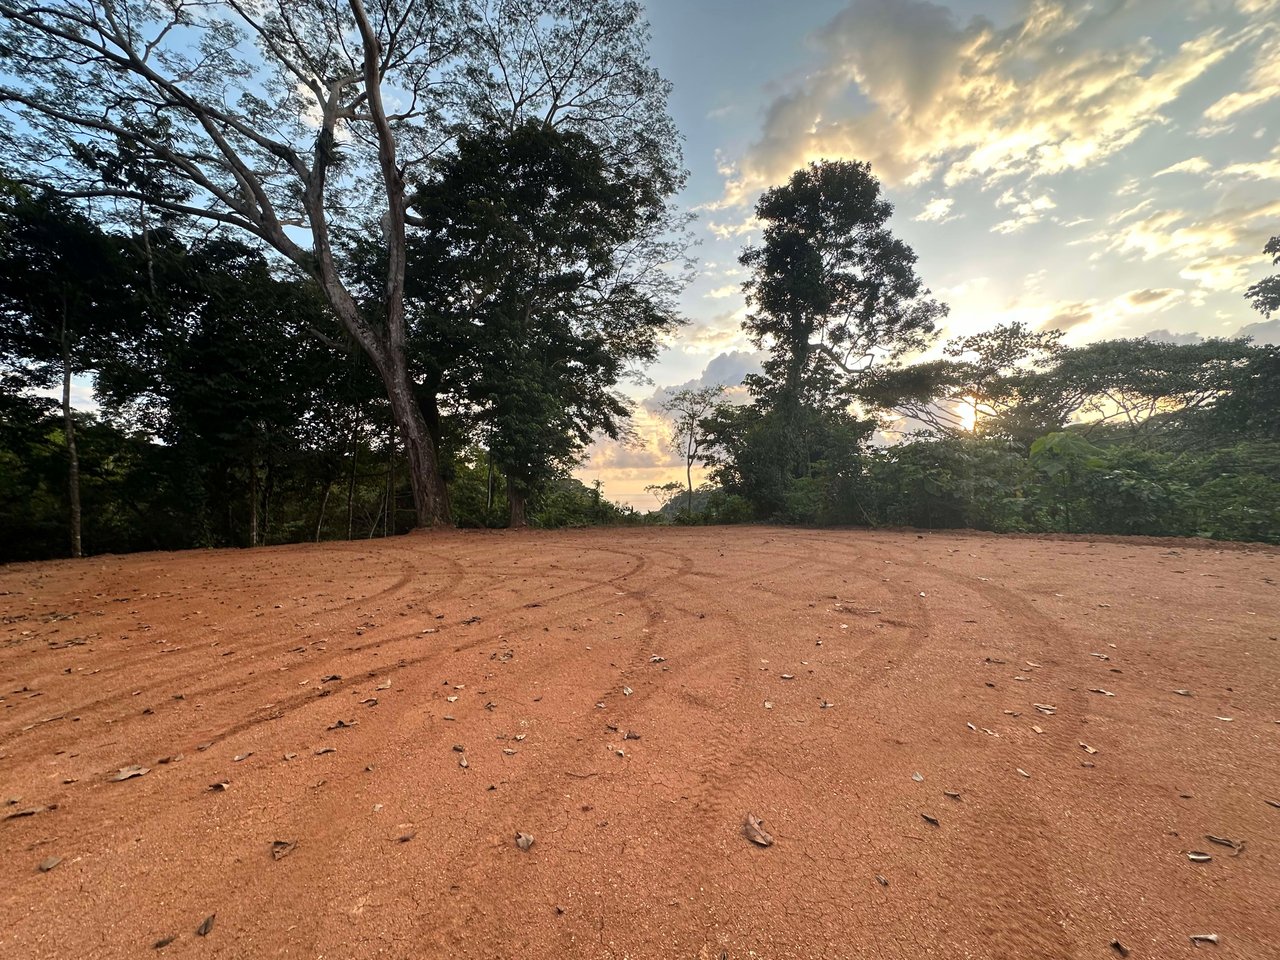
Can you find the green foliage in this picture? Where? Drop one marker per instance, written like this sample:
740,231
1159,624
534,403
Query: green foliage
516,293
1265,294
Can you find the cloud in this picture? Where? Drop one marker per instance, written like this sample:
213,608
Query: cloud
1224,272
1212,247
1268,169
723,331
1264,331
1027,210
727,231
937,210
1072,315
1190,165
904,84
726,370
1166,336
720,293
1262,84
1112,313
1141,298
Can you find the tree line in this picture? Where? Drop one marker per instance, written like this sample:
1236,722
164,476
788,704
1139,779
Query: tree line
287,239
344,267
1006,430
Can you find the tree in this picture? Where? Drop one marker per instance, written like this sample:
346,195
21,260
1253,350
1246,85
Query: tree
832,291
1265,294
688,409
831,294
284,120
985,383
228,373
61,282
522,281
1147,387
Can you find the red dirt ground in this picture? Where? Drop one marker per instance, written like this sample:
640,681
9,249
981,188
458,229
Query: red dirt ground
213,655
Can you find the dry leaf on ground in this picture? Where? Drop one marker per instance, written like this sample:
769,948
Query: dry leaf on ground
756,833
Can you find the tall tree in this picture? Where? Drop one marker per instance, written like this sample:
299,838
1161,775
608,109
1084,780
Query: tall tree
831,293
61,297
289,121
831,290
524,279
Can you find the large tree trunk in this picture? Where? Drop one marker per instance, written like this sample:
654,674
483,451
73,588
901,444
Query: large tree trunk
69,431
430,495
516,502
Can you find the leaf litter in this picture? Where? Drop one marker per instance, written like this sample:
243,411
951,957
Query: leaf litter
756,833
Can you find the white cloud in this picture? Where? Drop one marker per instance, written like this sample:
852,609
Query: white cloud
937,210
1257,170
1027,209
1190,165
1262,85
727,231
720,293
1217,249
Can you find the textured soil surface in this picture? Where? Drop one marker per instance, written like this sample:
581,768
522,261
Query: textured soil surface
627,698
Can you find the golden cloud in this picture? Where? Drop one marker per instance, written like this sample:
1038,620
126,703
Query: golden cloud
971,101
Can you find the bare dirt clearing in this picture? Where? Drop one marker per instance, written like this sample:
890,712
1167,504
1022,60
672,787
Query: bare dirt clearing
387,716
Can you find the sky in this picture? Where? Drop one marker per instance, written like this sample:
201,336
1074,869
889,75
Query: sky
1110,168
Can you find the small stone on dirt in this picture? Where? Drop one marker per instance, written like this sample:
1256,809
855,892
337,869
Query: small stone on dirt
44,866
1119,948
133,770
206,927
164,942
524,840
